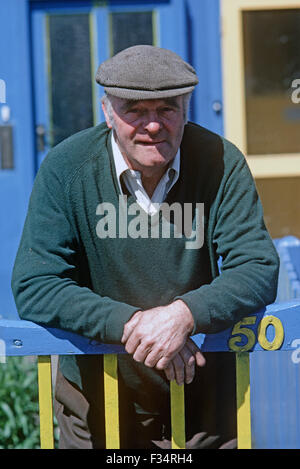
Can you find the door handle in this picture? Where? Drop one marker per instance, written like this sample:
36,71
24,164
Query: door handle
217,107
40,133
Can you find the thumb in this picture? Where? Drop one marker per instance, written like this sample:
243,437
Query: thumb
129,326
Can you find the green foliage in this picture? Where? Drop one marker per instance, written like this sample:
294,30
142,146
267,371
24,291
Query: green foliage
19,417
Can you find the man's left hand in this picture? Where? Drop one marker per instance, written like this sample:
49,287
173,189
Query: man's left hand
183,366
156,335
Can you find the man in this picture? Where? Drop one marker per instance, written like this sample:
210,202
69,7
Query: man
95,258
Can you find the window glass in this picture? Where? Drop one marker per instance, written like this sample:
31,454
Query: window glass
71,90
272,63
130,29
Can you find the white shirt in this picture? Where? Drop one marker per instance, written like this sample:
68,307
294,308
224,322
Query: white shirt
133,180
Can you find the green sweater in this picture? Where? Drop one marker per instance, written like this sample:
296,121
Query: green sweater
66,276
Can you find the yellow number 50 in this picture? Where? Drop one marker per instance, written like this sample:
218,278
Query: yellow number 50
240,329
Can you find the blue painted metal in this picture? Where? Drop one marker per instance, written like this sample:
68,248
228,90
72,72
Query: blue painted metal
294,252
23,338
276,375
27,338
275,419
275,400
289,277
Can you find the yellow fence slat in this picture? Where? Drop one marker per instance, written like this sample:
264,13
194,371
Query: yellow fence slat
45,402
177,415
112,426
243,400
111,399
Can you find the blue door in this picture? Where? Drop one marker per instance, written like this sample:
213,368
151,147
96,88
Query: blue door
70,40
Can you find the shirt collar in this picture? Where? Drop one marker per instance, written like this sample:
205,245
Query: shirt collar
121,165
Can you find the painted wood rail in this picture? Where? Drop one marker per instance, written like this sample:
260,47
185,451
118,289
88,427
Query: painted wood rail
277,327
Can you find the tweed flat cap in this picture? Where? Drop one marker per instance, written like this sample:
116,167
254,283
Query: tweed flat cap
146,72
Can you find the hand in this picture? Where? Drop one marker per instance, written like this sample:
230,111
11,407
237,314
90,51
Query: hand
156,335
182,367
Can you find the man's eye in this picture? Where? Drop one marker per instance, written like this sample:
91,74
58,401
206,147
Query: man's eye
167,109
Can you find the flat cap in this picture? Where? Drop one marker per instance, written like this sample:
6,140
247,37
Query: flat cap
146,72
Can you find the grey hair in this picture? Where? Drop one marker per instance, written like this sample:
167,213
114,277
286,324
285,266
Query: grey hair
109,108
186,105
106,100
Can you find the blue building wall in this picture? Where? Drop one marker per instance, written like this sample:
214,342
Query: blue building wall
15,184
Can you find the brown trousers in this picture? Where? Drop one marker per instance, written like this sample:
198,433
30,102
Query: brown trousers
81,422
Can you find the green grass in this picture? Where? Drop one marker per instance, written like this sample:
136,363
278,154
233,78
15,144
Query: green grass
19,418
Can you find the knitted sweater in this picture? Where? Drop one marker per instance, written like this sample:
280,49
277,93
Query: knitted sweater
70,276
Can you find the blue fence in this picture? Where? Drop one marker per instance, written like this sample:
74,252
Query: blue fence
275,376
271,338
275,330
289,275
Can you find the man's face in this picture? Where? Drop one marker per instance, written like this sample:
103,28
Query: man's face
148,132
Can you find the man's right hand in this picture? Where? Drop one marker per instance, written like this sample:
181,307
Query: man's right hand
183,366
155,336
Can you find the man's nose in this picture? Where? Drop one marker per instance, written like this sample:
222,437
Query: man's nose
153,123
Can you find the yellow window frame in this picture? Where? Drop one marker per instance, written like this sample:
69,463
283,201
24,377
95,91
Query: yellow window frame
262,166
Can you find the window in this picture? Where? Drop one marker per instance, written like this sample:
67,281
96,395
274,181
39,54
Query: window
272,63
130,29
261,61
71,105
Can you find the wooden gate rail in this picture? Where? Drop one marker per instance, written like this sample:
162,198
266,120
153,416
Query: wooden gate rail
275,328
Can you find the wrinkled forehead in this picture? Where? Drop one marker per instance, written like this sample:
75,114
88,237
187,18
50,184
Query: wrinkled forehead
125,104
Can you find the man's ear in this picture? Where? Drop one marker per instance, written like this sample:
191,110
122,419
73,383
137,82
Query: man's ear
107,119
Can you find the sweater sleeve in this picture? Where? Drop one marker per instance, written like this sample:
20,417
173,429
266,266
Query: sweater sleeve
250,264
45,276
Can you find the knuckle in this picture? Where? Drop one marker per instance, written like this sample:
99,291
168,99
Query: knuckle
128,348
137,357
147,343
191,361
150,361
162,364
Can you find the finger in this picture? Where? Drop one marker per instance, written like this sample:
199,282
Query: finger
200,360
163,358
132,343
179,368
141,353
156,356
130,326
160,356
169,372
162,362
187,356
189,365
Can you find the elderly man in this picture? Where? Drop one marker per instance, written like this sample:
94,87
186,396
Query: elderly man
96,259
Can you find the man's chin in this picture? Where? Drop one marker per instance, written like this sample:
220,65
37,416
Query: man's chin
156,158
156,163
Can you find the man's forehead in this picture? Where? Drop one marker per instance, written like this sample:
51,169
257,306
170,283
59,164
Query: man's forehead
149,103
